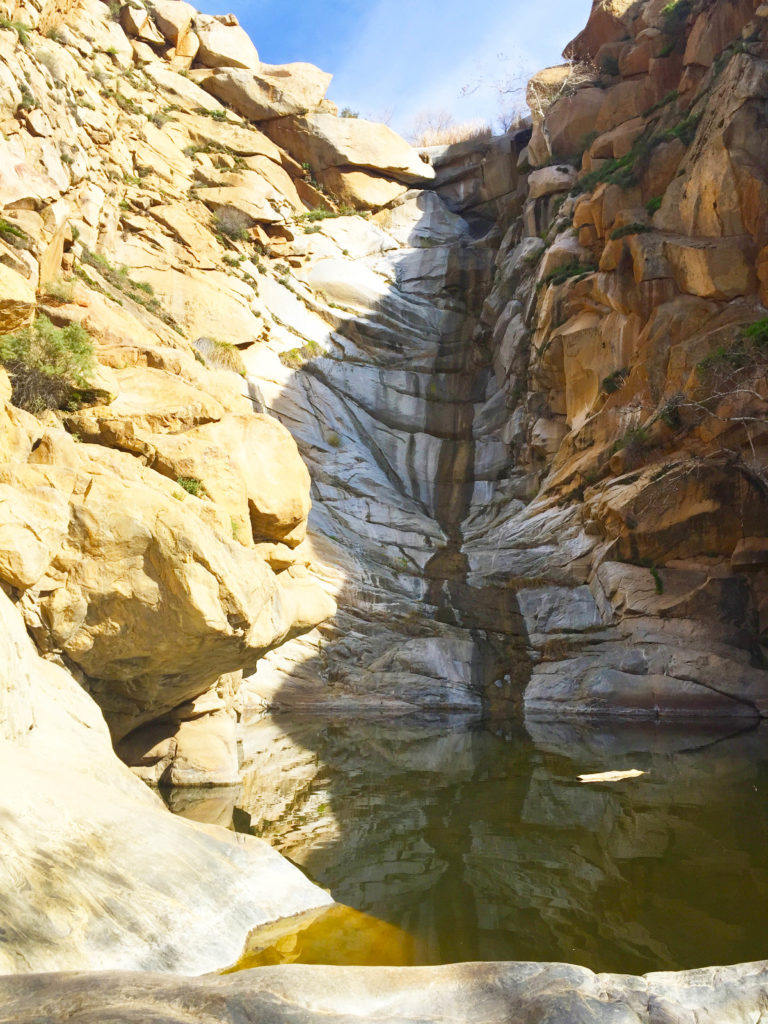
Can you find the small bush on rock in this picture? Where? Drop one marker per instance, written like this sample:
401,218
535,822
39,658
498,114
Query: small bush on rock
295,358
48,366
21,30
630,229
191,485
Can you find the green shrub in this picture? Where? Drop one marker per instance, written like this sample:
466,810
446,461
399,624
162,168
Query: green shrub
295,358
654,204
21,30
140,292
562,274
675,15
62,289
685,130
348,112
614,381
48,366
630,229
669,97
13,234
191,485
28,99
217,115
635,440
323,213
620,171
230,225
723,58
757,334
749,349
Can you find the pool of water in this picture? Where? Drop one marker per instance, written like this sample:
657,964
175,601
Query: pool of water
460,842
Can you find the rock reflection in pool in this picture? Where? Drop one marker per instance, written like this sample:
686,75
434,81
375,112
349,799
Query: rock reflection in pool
487,847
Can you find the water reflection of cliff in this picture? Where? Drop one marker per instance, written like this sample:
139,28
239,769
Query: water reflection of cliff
486,847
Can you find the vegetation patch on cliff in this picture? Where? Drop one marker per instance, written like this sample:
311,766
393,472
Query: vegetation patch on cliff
49,367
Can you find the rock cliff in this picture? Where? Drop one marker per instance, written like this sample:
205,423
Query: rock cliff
525,380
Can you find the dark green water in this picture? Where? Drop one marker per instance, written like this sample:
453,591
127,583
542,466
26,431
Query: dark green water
487,847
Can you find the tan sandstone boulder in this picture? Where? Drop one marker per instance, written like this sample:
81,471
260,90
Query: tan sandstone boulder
250,466
180,897
273,90
139,592
173,18
276,480
608,22
224,45
361,189
323,141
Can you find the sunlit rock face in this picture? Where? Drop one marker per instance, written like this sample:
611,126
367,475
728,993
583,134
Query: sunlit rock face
461,994
95,873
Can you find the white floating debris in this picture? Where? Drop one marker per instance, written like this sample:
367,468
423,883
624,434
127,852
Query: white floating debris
633,773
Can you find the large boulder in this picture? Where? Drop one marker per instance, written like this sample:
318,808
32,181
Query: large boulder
134,580
173,18
179,896
270,91
224,44
570,120
681,511
323,141
360,189
249,464
609,21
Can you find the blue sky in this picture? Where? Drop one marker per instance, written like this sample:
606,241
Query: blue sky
392,59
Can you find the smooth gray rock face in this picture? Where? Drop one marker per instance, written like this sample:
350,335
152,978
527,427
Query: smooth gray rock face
448,575
524,993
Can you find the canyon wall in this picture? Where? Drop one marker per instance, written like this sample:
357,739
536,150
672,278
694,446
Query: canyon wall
524,378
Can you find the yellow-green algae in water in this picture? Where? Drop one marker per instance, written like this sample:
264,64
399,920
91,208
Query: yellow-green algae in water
338,936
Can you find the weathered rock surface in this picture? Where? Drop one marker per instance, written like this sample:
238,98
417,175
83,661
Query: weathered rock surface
323,141
272,91
180,897
224,44
464,994
150,601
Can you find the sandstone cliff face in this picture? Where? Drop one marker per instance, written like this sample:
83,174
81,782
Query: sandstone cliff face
526,378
